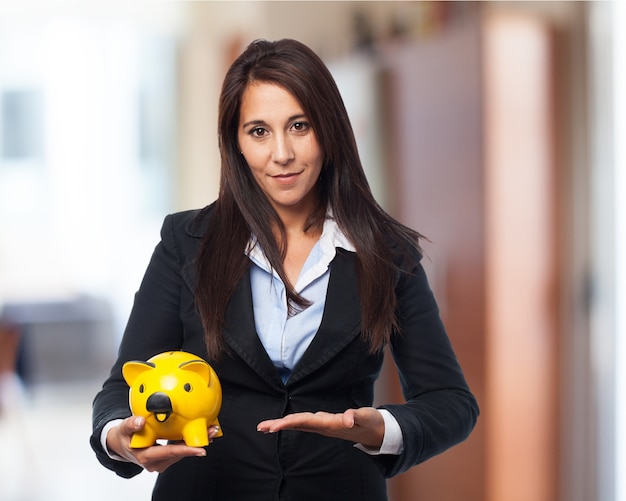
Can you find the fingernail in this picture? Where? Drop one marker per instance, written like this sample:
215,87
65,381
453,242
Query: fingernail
202,453
137,422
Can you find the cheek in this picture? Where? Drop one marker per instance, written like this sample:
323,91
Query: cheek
314,152
316,160
255,169
254,157
258,171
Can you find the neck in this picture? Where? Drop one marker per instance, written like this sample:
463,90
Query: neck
295,218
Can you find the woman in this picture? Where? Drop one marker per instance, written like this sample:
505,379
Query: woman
290,285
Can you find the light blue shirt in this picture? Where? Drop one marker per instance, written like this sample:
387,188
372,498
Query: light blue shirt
286,337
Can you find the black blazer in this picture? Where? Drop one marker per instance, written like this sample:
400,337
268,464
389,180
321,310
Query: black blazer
337,372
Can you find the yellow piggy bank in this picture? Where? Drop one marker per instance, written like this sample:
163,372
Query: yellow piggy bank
178,393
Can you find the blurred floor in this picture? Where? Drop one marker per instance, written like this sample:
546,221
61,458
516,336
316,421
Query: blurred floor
45,452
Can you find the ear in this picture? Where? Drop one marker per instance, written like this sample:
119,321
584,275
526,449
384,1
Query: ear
132,369
198,366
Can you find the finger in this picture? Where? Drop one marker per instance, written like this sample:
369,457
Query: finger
159,458
290,421
133,424
302,421
174,451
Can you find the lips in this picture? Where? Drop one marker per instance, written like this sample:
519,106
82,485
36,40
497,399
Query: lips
286,178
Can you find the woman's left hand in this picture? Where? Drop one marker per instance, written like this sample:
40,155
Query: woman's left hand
364,426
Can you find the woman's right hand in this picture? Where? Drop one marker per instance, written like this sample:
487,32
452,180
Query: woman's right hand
156,458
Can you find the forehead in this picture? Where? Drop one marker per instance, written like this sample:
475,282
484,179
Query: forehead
264,100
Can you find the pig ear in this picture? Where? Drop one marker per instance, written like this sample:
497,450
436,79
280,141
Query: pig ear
199,367
132,369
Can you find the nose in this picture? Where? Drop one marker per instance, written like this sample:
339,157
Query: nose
159,403
282,150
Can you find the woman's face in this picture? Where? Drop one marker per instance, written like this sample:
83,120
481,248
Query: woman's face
280,147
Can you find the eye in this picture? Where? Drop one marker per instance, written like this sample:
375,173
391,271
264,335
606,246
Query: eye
301,126
258,132
142,388
187,387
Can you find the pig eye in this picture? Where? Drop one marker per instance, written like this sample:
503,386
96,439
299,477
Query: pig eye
187,387
141,388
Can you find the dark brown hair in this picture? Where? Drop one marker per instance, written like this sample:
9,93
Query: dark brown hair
242,209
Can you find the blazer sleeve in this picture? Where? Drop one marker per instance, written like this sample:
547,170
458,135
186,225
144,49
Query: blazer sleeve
154,326
439,410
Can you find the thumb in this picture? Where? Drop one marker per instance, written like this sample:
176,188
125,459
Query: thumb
135,423
362,416
349,418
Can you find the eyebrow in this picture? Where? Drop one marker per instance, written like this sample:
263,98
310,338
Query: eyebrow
263,122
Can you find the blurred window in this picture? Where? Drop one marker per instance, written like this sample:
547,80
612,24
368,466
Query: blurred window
87,152
21,124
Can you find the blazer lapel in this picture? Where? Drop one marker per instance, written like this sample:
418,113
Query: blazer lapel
341,321
240,334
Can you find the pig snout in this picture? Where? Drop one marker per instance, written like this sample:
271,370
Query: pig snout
160,405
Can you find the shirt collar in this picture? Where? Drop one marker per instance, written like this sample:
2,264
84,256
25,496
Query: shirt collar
331,238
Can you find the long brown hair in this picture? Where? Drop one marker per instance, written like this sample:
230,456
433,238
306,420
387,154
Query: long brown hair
242,209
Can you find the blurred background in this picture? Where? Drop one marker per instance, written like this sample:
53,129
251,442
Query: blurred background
495,128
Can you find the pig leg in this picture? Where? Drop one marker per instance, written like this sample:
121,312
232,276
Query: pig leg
195,433
143,438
